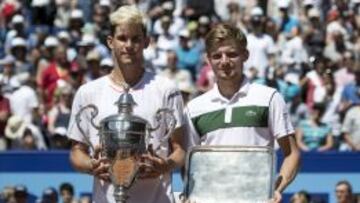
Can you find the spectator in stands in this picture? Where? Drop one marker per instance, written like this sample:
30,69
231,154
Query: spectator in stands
50,195
343,191
5,113
313,82
7,194
106,66
55,72
312,134
345,74
47,56
181,77
15,130
193,9
19,48
287,22
24,100
189,56
314,36
259,44
351,93
93,59
300,197
59,114
67,193
351,129
8,77
21,194
206,79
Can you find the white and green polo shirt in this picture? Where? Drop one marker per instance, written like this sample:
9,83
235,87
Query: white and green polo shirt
255,116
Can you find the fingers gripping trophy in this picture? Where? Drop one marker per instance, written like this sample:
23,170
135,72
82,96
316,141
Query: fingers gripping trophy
124,138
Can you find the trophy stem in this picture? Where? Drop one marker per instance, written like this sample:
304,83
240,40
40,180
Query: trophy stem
120,194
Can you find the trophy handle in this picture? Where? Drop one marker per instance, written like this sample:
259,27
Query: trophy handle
170,121
94,113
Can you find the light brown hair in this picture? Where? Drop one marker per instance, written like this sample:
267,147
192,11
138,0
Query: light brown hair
225,32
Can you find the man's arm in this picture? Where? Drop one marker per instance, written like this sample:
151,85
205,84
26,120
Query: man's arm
82,162
291,162
165,165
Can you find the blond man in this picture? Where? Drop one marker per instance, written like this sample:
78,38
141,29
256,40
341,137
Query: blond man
127,41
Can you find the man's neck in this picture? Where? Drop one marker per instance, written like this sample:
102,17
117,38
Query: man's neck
129,76
229,88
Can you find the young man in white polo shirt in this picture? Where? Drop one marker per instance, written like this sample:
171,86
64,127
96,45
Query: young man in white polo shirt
150,93
236,112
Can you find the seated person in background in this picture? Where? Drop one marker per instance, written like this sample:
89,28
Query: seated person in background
300,197
312,134
351,130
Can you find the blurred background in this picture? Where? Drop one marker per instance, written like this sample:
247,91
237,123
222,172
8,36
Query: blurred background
308,50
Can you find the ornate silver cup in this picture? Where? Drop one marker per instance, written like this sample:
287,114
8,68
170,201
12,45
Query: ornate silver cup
124,137
229,174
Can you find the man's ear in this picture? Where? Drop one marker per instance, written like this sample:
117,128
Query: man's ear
207,60
245,55
109,41
147,41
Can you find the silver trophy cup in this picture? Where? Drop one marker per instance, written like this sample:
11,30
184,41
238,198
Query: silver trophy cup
124,137
229,174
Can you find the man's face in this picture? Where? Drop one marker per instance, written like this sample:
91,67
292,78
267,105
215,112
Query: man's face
342,193
66,196
227,60
127,44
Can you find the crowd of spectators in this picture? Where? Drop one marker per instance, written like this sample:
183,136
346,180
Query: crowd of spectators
308,50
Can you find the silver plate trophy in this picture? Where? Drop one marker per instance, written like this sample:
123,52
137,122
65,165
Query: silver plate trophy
124,137
229,174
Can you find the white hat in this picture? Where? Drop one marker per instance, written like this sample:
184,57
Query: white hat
107,62
39,3
184,33
8,59
18,42
51,41
87,40
283,3
204,20
15,127
292,78
186,86
93,55
168,5
18,19
104,3
63,35
60,131
76,14
256,11
314,12
308,2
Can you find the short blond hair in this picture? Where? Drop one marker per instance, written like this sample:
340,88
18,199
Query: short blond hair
224,32
127,14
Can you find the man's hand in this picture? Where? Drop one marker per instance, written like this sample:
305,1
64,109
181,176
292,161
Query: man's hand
154,166
277,197
99,166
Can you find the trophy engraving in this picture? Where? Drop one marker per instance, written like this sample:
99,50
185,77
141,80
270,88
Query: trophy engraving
124,137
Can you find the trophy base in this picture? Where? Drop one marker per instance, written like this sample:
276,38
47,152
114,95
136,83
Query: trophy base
120,194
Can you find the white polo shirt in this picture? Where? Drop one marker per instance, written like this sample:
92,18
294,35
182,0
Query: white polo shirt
255,116
151,93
